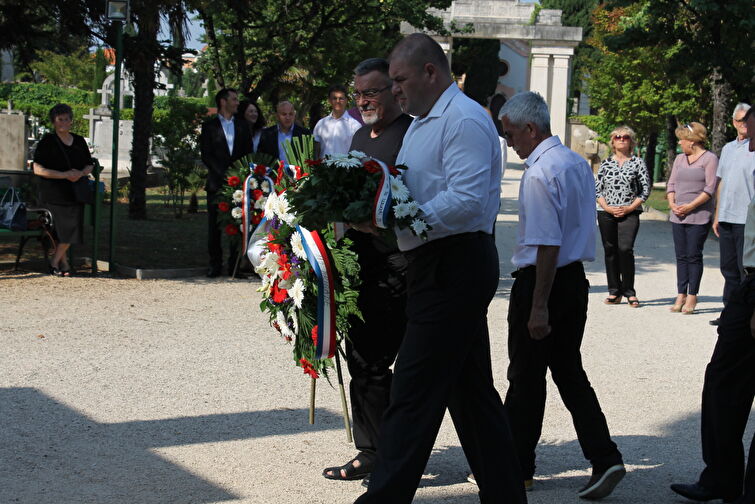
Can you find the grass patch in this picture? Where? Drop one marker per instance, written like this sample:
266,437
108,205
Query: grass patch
161,241
657,200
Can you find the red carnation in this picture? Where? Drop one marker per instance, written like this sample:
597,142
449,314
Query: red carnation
223,206
308,369
257,194
256,218
260,170
279,295
234,181
372,166
231,230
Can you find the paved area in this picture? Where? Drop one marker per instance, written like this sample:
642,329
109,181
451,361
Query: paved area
178,391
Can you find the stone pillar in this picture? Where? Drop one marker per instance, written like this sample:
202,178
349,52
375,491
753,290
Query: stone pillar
559,96
539,71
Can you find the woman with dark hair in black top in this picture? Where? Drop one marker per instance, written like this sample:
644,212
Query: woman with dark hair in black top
251,113
62,158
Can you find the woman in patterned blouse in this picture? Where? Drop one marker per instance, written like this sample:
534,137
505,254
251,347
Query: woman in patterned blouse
690,190
622,185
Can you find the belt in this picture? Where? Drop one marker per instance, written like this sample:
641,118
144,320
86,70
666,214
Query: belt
566,267
442,243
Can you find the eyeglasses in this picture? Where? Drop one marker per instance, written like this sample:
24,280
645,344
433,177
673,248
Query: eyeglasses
740,120
369,94
626,138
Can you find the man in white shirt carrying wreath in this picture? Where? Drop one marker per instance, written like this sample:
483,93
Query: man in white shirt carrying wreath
548,304
453,157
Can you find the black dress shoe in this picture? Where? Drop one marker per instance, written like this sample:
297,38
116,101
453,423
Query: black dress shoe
213,272
695,492
715,321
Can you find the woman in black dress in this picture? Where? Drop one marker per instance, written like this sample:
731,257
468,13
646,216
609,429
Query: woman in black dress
62,158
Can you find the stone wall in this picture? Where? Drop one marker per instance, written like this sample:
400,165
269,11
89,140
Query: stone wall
13,142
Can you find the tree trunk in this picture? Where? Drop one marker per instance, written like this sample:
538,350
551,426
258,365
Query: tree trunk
721,93
670,145
144,79
650,154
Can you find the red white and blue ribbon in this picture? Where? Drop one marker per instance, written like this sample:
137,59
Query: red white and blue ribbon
247,202
317,255
292,171
381,209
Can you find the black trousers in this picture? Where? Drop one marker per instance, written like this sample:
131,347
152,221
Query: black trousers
373,344
618,235
728,393
560,352
444,362
731,241
214,235
689,240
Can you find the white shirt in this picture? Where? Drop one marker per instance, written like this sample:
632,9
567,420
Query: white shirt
454,168
229,131
748,258
334,135
736,169
556,205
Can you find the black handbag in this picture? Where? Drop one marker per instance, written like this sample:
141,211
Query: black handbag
12,211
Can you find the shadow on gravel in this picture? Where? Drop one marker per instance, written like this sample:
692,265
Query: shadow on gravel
51,453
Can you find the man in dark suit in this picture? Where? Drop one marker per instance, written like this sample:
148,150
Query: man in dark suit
272,138
223,141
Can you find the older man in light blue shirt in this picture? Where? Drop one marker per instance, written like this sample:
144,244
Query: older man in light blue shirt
736,188
548,303
454,172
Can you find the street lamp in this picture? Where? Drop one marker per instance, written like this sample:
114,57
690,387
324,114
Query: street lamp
117,12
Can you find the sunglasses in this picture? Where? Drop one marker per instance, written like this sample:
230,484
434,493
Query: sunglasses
622,137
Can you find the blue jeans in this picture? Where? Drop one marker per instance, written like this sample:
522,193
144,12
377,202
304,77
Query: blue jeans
689,240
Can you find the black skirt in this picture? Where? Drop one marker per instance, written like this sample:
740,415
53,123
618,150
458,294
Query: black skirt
67,222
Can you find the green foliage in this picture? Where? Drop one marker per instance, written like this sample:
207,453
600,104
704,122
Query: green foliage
175,140
475,58
99,74
43,94
68,70
299,150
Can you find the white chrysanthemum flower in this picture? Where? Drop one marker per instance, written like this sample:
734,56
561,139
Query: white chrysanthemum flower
400,210
271,205
286,331
238,195
399,191
294,321
344,161
412,207
260,204
418,226
253,184
297,247
297,292
265,186
358,154
281,206
237,212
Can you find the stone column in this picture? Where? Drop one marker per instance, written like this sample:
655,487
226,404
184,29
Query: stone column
559,95
539,72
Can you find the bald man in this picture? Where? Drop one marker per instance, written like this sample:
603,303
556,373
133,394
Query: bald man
272,138
454,158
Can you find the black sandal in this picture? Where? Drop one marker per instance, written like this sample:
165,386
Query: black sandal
351,472
55,271
612,300
633,302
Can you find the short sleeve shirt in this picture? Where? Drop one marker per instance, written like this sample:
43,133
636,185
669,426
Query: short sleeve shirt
53,154
334,135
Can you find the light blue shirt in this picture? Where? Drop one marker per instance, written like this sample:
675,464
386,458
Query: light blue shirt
556,205
282,137
229,131
735,170
453,157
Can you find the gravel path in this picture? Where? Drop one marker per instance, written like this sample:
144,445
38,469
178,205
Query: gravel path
178,391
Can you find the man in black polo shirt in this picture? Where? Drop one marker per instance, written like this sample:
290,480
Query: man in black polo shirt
372,345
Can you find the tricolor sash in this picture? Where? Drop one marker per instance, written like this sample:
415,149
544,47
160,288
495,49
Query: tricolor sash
317,255
248,202
381,209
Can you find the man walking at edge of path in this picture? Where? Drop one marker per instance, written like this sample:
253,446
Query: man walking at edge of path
729,387
373,343
548,303
453,157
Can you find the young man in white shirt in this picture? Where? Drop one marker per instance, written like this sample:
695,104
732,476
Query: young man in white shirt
548,304
334,131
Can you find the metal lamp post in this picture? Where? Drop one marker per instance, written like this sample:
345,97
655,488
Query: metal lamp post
117,12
